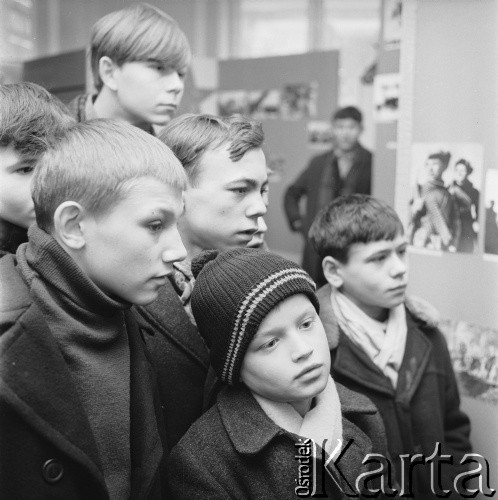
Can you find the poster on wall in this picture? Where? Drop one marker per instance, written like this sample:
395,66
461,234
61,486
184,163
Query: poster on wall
445,183
319,133
298,100
386,97
232,102
474,355
264,104
392,24
491,217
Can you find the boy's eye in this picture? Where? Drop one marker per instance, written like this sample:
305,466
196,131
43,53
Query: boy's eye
155,227
379,258
239,190
25,170
271,343
307,324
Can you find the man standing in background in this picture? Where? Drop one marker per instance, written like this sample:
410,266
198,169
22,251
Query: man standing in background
345,169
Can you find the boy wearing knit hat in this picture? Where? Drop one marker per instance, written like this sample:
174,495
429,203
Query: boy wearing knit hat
258,314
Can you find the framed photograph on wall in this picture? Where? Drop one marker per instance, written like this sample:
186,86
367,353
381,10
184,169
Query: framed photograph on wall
445,184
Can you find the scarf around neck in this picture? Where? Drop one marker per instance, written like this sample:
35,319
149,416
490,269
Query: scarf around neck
322,423
383,343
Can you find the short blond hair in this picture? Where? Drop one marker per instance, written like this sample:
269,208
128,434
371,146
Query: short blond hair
95,163
138,33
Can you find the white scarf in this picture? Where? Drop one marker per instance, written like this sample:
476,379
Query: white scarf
322,422
384,343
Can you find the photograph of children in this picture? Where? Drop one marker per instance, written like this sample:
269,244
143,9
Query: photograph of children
319,134
444,202
491,218
264,104
386,97
392,24
232,102
299,101
474,354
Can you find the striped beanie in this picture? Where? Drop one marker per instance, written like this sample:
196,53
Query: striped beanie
233,292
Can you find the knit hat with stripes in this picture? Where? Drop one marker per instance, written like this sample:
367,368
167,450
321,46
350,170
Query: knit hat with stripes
233,292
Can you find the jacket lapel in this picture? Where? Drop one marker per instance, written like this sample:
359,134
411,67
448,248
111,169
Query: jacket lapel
38,384
417,354
166,315
146,446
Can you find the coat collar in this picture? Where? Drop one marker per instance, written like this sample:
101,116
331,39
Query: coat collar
36,381
352,363
167,315
252,430
327,316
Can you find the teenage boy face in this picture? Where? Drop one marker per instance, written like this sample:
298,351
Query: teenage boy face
148,92
346,133
375,275
222,208
131,248
288,360
16,204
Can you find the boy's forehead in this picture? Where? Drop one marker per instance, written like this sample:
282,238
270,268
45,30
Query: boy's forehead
371,247
8,156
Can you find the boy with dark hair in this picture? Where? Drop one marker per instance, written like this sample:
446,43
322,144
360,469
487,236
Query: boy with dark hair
258,314
79,413
225,199
378,346
345,169
30,120
139,58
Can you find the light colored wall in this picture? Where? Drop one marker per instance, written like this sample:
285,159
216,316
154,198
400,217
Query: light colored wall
453,97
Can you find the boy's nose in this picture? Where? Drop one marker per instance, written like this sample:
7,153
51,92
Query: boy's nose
399,266
257,208
300,348
175,83
175,249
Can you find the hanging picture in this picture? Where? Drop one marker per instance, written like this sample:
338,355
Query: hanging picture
392,24
444,199
386,97
474,354
232,102
319,134
491,217
298,101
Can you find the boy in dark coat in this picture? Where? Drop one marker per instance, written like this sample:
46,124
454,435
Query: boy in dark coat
379,347
225,201
280,420
80,416
345,169
30,119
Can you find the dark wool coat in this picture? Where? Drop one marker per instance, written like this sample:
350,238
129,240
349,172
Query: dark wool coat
47,446
423,410
180,358
236,451
308,185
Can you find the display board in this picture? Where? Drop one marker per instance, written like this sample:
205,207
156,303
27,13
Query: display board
293,96
449,111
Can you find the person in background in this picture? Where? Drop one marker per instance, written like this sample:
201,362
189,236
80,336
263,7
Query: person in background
139,58
258,314
80,415
380,347
345,169
30,120
225,201
466,197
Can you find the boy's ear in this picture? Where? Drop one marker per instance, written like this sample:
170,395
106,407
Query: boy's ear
332,271
68,227
107,69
